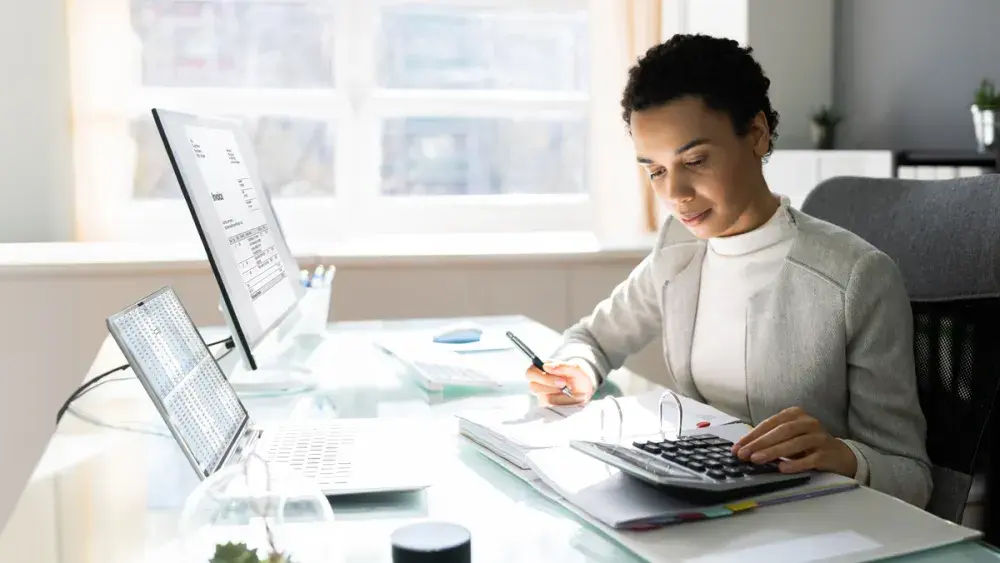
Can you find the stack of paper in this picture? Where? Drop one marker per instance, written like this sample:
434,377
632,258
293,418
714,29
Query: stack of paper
623,502
513,435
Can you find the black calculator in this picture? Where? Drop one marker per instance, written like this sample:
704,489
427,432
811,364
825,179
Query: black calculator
699,468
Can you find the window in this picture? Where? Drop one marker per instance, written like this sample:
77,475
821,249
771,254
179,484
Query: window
368,116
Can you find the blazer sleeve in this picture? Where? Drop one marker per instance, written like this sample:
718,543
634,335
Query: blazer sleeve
885,421
619,326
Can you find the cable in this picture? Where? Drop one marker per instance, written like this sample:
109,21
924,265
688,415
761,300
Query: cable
94,383
87,417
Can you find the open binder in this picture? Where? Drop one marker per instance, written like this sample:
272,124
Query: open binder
534,445
513,435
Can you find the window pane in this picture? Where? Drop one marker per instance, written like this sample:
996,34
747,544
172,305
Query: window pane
295,156
451,156
453,47
234,43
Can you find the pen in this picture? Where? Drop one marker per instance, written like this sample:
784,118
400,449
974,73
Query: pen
535,360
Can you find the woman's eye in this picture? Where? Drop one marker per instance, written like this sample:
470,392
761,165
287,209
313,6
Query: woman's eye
656,174
696,162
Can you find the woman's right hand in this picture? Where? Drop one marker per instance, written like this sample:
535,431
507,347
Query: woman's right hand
547,385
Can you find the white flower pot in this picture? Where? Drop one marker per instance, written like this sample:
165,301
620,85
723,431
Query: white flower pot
985,123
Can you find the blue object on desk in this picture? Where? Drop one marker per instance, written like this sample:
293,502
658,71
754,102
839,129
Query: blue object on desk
458,334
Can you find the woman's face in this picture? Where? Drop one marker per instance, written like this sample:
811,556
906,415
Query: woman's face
708,177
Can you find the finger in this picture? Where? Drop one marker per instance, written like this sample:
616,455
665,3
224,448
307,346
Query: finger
561,368
797,445
781,433
540,389
560,399
764,427
537,376
806,463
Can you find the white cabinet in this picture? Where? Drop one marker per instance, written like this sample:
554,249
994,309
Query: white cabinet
795,173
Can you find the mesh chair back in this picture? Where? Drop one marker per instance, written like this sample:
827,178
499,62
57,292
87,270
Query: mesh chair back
945,237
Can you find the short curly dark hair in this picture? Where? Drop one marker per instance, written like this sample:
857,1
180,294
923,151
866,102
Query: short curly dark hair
720,72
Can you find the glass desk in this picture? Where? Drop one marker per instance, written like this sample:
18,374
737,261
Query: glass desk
112,495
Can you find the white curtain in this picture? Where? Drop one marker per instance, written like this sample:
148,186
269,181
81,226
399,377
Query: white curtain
622,31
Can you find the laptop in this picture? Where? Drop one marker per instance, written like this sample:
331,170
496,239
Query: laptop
214,429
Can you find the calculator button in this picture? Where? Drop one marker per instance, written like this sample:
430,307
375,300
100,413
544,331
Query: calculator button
651,448
696,466
763,469
733,471
716,474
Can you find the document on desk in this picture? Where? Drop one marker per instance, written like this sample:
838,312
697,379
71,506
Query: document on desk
512,435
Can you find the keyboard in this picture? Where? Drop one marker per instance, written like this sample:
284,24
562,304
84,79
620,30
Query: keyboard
436,375
699,468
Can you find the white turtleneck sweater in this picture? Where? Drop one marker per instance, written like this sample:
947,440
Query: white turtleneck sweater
734,269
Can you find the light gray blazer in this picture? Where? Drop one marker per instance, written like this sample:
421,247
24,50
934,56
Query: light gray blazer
833,334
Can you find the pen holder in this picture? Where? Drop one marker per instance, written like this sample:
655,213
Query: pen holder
315,305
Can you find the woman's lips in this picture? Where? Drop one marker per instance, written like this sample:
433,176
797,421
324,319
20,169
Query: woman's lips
691,219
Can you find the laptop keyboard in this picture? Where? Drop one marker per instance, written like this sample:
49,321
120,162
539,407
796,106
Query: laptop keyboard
704,453
451,374
320,452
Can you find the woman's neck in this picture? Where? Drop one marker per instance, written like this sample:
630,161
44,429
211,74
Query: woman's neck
760,210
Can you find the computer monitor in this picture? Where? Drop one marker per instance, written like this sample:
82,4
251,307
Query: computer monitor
258,277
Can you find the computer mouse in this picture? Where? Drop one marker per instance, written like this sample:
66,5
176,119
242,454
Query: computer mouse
458,334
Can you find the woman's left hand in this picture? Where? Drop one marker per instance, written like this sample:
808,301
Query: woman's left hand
801,439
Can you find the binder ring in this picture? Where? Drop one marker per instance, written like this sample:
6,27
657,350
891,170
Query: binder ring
621,420
680,412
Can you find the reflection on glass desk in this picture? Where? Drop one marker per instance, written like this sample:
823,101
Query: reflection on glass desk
112,495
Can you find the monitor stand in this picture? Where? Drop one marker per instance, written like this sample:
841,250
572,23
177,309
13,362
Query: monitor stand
282,358
273,377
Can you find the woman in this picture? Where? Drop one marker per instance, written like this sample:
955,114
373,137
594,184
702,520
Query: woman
797,327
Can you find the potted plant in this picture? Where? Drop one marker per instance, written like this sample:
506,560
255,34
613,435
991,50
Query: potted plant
985,106
240,553
823,127
257,511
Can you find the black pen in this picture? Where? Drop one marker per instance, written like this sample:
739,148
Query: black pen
535,360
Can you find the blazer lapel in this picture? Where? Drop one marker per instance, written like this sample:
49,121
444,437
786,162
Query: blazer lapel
680,305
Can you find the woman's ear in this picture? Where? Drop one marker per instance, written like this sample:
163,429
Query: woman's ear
760,134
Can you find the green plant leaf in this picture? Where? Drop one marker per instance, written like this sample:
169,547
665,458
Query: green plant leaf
825,116
986,96
234,553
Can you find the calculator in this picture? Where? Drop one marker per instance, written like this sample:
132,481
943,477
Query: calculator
698,468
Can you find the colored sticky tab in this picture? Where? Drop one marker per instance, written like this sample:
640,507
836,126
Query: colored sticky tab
742,505
717,512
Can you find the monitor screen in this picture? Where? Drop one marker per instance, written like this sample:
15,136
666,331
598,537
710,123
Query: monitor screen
181,376
216,168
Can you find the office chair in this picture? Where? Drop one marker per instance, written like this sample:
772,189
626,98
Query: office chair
945,237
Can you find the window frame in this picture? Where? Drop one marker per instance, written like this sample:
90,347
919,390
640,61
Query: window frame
355,106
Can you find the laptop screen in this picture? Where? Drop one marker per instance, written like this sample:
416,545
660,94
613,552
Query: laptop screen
183,379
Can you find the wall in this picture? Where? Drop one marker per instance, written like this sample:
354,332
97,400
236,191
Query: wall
906,70
35,162
793,41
